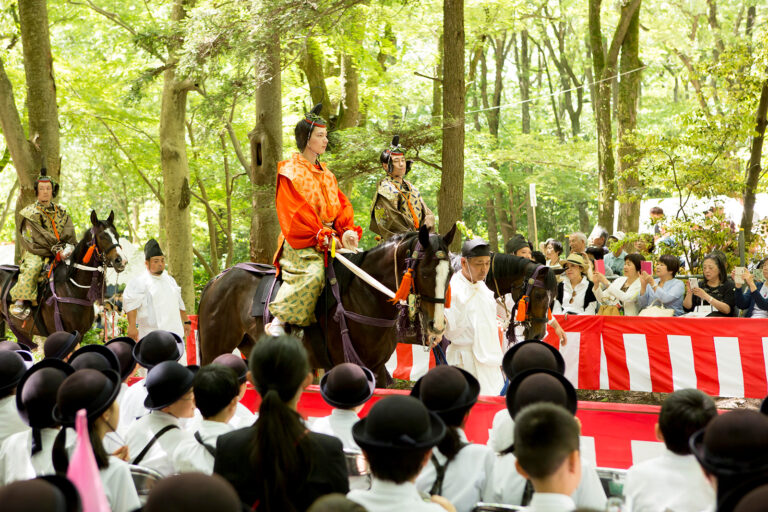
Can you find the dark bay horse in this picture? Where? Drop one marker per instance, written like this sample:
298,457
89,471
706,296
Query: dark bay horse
75,287
518,276
225,320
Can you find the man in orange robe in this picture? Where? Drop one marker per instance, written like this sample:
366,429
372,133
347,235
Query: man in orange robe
312,211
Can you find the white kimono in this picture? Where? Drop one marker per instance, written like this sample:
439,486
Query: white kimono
474,333
158,301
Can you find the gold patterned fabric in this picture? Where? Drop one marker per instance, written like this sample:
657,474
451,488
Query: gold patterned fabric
303,273
395,207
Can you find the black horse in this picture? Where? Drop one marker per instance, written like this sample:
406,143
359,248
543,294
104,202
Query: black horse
226,322
66,302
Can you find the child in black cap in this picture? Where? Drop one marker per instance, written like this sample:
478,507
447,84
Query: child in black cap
153,438
27,454
61,344
346,388
12,369
458,469
243,416
95,391
674,481
397,438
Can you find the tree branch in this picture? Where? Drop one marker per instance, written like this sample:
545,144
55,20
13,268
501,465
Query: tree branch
202,261
238,148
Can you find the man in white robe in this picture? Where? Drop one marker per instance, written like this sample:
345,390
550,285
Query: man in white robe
471,320
153,300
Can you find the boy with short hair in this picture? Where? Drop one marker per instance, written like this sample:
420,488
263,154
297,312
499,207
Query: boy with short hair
674,481
547,451
216,396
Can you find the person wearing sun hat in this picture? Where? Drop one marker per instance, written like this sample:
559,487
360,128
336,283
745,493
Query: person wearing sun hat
96,392
243,416
397,438
152,349
531,387
27,454
153,438
61,344
398,206
574,293
458,470
312,211
12,369
346,388
49,493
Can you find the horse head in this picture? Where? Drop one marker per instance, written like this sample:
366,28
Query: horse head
542,292
106,241
431,279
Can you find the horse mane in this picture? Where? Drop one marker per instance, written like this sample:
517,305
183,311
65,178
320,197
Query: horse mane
507,264
344,276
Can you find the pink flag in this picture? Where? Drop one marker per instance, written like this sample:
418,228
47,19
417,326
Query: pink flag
83,471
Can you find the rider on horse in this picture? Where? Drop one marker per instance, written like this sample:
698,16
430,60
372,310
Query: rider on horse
45,232
312,211
398,206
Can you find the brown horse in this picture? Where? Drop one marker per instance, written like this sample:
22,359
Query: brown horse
226,323
75,287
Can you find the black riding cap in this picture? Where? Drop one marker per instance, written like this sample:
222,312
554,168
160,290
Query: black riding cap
236,363
167,382
447,391
12,369
88,389
122,347
399,423
152,249
95,357
156,347
475,247
534,386
347,385
60,344
36,392
43,494
532,354
733,444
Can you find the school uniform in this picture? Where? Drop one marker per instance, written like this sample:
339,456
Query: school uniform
551,502
132,405
10,421
197,453
669,482
465,477
160,455
17,461
118,486
243,417
385,496
507,485
338,424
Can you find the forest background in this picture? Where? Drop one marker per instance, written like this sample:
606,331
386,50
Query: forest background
175,113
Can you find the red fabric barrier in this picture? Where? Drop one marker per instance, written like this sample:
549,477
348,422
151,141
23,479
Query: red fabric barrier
191,342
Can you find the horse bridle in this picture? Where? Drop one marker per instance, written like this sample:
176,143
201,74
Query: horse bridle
412,261
93,247
535,280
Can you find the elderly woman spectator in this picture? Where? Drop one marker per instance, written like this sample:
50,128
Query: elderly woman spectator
552,250
665,289
716,291
755,301
624,291
574,293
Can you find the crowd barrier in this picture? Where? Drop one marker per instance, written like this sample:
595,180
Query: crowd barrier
720,356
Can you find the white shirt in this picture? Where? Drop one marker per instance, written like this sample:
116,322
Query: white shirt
160,456
243,417
507,485
578,293
465,477
550,502
338,424
502,432
10,421
669,482
132,406
191,456
474,333
158,301
386,496
17,461
118,486
613,295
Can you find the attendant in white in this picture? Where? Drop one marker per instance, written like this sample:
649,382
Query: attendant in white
243,416
471,320
665,291
508,484
96,392
216,395
674,481
458,470
12,369
152,440
547,449
27,454
397,437
574,293
346,388
623,291
153,349
153,300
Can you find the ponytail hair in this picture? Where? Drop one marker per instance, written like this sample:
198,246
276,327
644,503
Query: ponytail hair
278,451
450,445
60,456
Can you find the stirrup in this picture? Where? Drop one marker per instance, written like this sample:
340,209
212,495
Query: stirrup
20,312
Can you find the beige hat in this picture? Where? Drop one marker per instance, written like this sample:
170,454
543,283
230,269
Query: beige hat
576,259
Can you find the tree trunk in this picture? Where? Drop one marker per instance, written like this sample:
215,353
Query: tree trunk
493,232
173,160
450,201
266,151
311,63
437,84
630,191
523,59
755,169
512,209
349,107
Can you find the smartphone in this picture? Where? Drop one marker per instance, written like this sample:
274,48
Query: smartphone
694,282
646,266
600,266
738,276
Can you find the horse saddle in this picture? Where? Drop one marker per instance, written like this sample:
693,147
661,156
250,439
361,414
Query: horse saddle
9,275
265,293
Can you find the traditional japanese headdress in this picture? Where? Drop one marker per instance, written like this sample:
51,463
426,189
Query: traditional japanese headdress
311,121
395,149
43,177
